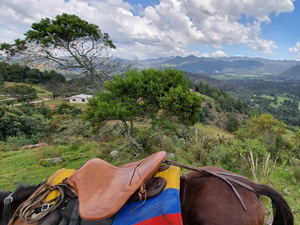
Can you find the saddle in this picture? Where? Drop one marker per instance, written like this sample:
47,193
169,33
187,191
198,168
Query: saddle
103,188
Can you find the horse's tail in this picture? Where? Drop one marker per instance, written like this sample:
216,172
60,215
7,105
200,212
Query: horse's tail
282,214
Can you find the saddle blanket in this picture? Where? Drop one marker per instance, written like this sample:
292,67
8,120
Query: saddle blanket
163,209
57,178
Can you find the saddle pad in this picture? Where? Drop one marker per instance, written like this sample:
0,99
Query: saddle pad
57,178
161,210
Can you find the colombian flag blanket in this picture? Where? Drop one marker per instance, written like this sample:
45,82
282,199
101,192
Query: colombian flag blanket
161,210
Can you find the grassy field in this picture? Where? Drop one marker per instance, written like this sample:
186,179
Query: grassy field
213,131
280,99
32,166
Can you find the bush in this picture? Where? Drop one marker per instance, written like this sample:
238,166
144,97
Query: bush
4,147
148,138
295,163
229,154
47,152
233,123
22,139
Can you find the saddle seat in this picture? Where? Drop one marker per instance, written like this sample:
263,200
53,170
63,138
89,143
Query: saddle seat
103,188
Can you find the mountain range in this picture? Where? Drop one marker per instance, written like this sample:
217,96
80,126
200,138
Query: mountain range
226,65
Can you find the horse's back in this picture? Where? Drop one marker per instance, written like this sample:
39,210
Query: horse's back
208,200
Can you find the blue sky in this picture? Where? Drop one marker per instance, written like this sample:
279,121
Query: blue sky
158,28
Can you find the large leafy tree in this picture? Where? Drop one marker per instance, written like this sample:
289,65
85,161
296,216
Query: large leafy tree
69,43
149,95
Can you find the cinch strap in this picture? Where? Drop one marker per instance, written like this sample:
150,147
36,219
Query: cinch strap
6,209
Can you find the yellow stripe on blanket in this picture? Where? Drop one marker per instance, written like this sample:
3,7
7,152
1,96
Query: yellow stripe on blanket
57,178
173,173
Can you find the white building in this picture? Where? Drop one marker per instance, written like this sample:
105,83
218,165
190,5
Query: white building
79,98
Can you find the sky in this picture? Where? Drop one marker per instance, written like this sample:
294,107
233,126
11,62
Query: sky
143,29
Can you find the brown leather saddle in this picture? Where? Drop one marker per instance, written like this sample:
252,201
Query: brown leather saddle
103,188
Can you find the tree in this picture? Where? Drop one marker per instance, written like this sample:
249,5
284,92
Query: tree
23,93
70,43
34,76
268,130
3,72
233,122
16,121
10,123
149,95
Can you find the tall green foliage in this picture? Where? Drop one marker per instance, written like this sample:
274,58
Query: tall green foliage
20,121
17,73
233,123
230,155
147,95
269,131
23,93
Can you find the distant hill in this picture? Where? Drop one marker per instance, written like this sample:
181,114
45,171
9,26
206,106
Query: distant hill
199,78
292,74
200,65
225,65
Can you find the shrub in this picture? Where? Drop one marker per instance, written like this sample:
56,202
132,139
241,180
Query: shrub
232,123
22,139
229,154
4,147
47,152
63,128
295,163
148,138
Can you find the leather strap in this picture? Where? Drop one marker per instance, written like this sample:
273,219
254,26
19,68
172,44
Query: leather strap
74,220
227,177
6,209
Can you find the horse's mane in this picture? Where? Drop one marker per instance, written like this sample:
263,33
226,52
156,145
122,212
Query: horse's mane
23,190
3,194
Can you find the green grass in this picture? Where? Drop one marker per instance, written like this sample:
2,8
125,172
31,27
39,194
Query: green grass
56,101
213,131
268,97
29,166
282,178
280,100
41,91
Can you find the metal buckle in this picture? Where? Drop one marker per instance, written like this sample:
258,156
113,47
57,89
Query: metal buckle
8,199
45,207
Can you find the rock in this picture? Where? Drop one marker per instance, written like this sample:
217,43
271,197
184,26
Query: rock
286,191
54,160
34,146
170,155
269,221
114,154
295,211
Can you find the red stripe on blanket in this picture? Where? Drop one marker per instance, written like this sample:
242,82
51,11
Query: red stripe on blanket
163,220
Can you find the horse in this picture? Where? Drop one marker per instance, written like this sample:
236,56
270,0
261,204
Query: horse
205,200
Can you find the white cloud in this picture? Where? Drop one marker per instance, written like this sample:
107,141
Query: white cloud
216,54
219,54
158,30
296,49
